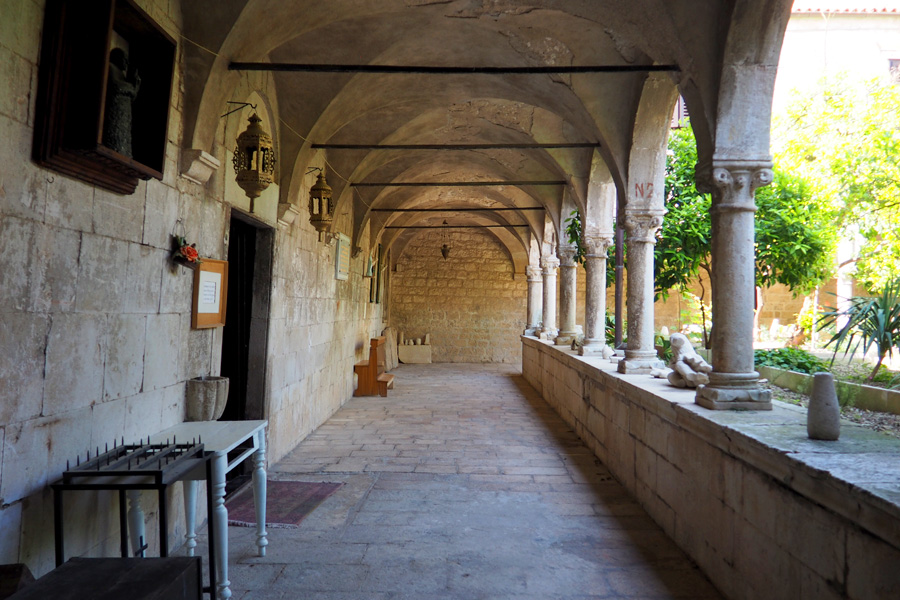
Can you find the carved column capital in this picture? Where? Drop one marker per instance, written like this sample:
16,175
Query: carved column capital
533,273
642,226
566,255
733,183
549,264
597,246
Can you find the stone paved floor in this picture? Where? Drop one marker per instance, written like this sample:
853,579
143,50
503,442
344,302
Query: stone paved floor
461,484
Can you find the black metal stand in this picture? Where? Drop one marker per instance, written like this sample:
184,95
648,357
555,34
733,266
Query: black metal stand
138,467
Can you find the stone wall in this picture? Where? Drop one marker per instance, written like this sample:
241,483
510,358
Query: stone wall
764,511
470,303
95,321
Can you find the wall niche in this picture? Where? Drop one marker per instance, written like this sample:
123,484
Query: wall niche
103,93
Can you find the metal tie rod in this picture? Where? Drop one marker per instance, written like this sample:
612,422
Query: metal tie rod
452,183
548,146
436,70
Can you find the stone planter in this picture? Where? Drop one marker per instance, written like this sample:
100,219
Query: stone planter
206,397
853,394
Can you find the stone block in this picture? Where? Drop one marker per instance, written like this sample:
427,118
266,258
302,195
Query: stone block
21,18
762,566
69,204
123,372
23,338
108,422
807,532
871,567
198,343
22,183
16,278
16,74
10,525
102,280
414,354
176,291
74,368
120,216
54,264
162,351
25,459
160,215
146,267
143,414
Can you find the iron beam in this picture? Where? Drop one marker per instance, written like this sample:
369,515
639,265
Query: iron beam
452,183
454,147
436,70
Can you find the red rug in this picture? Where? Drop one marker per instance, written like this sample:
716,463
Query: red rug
287,503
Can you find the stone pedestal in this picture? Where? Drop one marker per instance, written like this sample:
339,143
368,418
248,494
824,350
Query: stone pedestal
640,355
595,297
206,398
549,264
568,296
415,355
734,384
535,301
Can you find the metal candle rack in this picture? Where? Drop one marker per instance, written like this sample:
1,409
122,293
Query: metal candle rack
165,462
141,466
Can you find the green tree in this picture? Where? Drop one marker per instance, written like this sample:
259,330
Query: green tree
843,137
793,236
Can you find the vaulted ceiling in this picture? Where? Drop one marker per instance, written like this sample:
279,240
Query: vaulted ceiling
505,122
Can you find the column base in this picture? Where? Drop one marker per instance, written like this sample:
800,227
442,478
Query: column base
549,335
565,338
533,331
630,366
716,398
595,348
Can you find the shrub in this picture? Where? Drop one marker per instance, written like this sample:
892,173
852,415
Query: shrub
870,321
792,359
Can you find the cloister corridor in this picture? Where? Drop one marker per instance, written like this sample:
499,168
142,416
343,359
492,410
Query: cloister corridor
461,484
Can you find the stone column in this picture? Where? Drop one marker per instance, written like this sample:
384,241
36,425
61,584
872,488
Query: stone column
568,290
535,301
734,384
548,327
640,228
595,297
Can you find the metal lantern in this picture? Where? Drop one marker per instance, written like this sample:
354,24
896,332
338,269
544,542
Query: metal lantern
321,207
254,159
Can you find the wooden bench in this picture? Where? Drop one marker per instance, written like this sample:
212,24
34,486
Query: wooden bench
370,373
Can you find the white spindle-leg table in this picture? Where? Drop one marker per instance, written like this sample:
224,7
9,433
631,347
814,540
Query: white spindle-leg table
222,437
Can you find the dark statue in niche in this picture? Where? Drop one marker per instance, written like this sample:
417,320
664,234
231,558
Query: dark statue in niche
120,94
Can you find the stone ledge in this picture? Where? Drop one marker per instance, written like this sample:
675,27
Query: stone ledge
855,477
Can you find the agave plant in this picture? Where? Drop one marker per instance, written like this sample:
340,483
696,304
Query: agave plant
869,321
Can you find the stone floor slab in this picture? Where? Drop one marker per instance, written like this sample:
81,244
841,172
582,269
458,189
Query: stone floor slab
461,484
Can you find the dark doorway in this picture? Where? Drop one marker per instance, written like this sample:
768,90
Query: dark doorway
244,337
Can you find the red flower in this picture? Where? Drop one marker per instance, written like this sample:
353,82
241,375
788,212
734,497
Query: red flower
189,253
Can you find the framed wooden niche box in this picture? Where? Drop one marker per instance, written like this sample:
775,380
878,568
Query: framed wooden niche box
210,294
104,87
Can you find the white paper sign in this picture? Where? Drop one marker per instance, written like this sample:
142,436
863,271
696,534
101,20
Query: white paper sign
210,292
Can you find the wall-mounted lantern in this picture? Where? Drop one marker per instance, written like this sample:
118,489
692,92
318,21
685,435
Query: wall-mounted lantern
321,206
254,159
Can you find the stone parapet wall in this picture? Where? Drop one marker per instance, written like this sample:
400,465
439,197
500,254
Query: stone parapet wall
470,303
764,511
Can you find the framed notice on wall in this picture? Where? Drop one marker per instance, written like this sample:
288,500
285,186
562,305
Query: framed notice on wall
210,294
342,257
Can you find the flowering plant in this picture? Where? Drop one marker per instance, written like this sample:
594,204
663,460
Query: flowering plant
185,253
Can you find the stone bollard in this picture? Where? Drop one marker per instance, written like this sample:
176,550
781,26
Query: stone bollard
823,420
